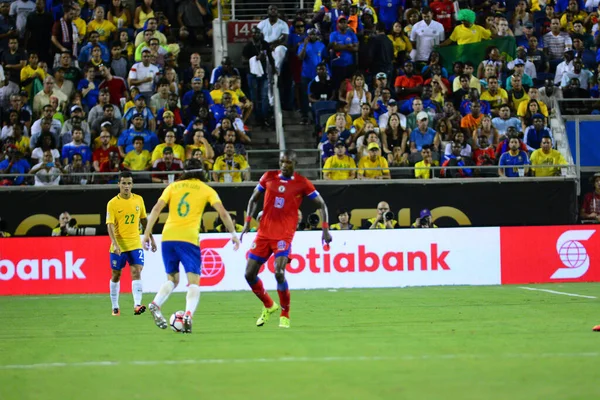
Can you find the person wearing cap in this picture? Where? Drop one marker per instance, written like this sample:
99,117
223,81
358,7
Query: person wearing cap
168,162
425,35
226,69
275,32
230,167
590,208
345,43
340,160
142,75
528,33
423,135
424,220
188,97
519,69
468,32
565,66
373,160
125,142
555,43
328,147
140,109
546,156
529,67
533,134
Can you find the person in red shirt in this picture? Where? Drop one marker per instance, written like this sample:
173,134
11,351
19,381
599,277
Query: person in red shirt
590,209
115,84
485,156
102,154
112,165
168,162
283,192
443,11
408,85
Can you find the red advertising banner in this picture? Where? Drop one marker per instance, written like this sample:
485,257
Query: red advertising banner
240,31
58,265
548,254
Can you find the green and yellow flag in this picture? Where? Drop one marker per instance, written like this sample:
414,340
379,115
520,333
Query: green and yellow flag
475,52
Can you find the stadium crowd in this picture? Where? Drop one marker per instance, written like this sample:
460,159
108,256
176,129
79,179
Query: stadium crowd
90,86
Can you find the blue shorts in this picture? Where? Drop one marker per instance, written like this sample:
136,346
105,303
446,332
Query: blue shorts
175,252
133,257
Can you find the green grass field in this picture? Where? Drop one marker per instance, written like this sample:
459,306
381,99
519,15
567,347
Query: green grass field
498,342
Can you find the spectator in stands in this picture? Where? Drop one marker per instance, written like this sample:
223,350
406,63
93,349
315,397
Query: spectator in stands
77,146
546,156
75,120
423,167
578,72
590,208
473,96
485,129
116,86
517,94
394,136
382,220
76,167
199,142
392,108
14,163
42,98
344,41
535,132
466,150
195,16
455,159
422,135
340,160
112,165
426,34
178,150
65,35
168,162
126,138
409,85
116,125
519,69
512,163
468,32
101,153
140,109
382,52
138,159
47,112
230,167
172,106
230,136
485,156
275,32
61,84
373,166
556,43
343,224
45,141
328,147
504,121
226,70
532,108
494,95
46,173
142,75
549,92
472,121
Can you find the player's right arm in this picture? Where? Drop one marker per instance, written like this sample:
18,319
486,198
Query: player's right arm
110,226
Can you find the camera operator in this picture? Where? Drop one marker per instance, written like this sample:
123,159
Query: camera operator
424,220
383,220
67,226
343,221
302,226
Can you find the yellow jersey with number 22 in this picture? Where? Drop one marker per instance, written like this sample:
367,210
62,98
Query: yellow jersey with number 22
125,215
186,200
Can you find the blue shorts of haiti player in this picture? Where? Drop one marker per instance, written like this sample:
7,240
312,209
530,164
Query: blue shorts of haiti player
175,252
133,257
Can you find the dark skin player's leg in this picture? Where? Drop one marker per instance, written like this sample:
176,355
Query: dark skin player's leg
280,264
252,269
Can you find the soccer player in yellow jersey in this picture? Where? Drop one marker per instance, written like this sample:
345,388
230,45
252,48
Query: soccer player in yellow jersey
186,199
124,214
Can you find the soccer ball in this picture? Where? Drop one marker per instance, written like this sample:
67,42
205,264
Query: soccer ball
176,321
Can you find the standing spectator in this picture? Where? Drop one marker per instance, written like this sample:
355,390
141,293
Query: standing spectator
340,160
389,11
425,35
115,125
230,167
275,32
116,86
373,166
46,173
142,75
168,162
321,87
55,127
556,43
13,59
311,53
345,44
256,52
30,73
382,52
43,97
468,31
195,16
444,13
545,157
104,27
76,120
21,10
77,167
37,32
512,163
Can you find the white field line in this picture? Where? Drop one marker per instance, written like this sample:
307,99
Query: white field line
555,292
227,361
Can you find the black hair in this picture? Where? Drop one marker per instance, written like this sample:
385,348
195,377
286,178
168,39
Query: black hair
343,210
125,174
193,169
138,138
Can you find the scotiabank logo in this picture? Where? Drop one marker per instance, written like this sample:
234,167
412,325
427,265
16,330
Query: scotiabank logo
362,260
549,254
33,269
213,267
573,254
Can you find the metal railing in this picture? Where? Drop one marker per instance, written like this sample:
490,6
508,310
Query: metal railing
257,10
579,106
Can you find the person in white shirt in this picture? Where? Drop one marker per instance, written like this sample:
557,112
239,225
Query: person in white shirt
565,66
584,75
275,32
47,172
425,35
142,75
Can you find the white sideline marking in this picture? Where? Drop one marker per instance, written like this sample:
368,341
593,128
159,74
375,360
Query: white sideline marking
555,292
295,360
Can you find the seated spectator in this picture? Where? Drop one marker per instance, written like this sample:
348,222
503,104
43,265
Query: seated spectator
590,208
77,146
97,112
101,153
534,133
512,163
472,121
465,105
343,224
14,163
202,144
114,124
177,149
46,173
466,150
422,135
565,66
76,120
172,106
138,159
423,167
230,167
582,51
495,95
549,92
411,120
168,162
220,88
88,88
526,80
125,142
584,75
340,159
503,121
245,103
534,94
140,109
13,119
112,165
328,148
373,166
467,74
546,156
55,125
20,141
229,137
517,94
394,136
42,98
76,167
344,134
365,115
167,125
342,108
382,98
161,98
408,85
456,160
120,57
392,108
533,108
484,156
61,84
362,143
486,129
226,70
86,52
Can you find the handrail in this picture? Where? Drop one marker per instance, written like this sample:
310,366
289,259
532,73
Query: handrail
562,141
277,111
250,9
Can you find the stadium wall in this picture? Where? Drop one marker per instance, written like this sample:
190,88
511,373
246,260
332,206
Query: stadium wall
552,201
356,259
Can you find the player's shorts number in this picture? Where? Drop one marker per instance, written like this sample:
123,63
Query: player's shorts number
279,202
129,218
141,254
183,208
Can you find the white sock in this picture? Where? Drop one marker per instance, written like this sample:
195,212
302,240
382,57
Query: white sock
114,293
192,299
136,290
163,293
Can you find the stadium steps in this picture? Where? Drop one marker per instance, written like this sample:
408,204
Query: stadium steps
301,137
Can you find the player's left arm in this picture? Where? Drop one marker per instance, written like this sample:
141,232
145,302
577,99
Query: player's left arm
156,210
144,222
251,209
325,215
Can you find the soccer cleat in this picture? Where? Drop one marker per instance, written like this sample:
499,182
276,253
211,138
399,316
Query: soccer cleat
159,320
266,314
139,309
116,312
284,322
187,323
596,328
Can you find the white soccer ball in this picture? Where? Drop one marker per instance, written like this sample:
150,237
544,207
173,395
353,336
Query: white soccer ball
176,321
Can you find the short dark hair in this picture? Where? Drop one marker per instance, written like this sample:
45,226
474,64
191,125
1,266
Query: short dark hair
426,147
163,81
343,210
125,174
138,138
469,64
341,104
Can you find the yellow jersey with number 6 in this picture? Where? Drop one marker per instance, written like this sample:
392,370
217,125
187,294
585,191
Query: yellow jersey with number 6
186,200
125,215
